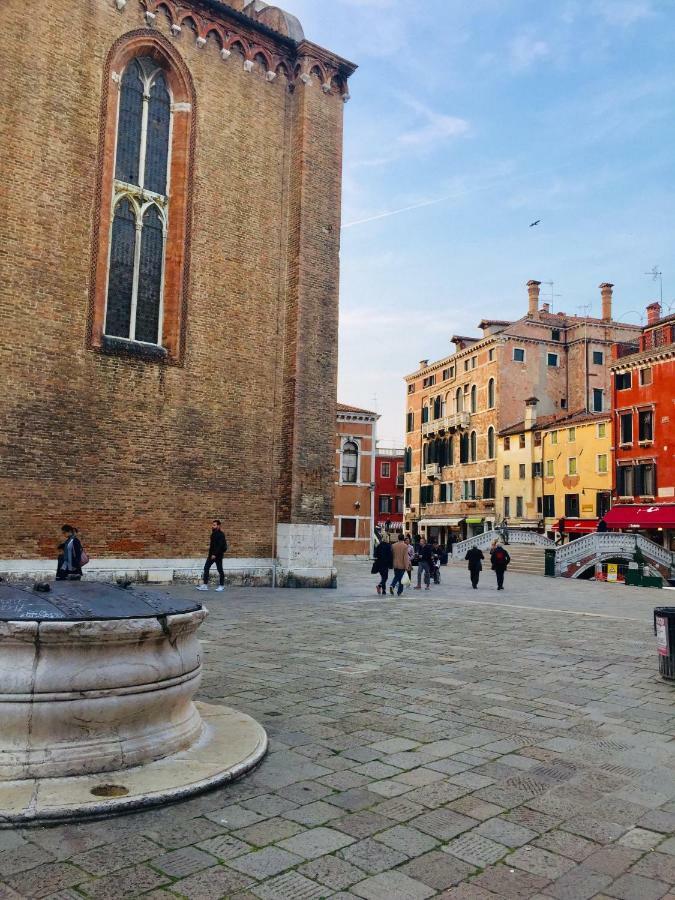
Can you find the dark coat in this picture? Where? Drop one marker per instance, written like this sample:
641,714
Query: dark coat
384,556
474,556
602,526
496,564
218,543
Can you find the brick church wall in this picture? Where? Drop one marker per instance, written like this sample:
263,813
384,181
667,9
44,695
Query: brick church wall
139,454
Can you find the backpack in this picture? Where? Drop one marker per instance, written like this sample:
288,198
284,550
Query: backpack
499,557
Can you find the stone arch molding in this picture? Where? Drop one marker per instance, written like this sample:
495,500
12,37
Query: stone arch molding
300,66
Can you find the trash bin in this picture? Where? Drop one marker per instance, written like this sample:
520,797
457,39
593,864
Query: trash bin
664,629
549,562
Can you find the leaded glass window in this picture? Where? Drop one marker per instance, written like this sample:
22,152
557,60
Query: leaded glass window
140,205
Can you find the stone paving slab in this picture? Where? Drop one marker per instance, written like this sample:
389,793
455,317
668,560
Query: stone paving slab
465,745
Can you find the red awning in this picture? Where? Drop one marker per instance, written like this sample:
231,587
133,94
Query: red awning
577,525
642,516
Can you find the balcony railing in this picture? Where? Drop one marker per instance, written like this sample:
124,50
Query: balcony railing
446,423
433,470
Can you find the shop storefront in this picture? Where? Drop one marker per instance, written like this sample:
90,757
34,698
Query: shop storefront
574,528
655,522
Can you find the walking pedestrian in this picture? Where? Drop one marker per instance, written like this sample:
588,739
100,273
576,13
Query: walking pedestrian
383,562
424,559
400,560
69,563
500,560
504,528
602,526
475,558
217,549
411,557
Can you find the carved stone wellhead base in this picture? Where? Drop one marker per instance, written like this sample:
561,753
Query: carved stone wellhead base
96,704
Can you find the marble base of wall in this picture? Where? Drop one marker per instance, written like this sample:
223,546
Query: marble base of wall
305,556
238,572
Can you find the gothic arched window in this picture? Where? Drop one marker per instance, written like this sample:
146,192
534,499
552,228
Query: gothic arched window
140,205
491,394
142,252
491,443
474,398
474,446
459,401
350,462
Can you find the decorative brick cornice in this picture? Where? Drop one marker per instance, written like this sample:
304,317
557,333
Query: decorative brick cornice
264,50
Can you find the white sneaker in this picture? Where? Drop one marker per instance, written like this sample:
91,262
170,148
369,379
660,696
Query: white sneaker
202,587
220,588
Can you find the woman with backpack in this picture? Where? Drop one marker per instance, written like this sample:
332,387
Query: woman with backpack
500,559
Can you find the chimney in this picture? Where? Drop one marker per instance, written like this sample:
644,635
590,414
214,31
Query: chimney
533,295
424,363
546,307
653,313
606,294
530,412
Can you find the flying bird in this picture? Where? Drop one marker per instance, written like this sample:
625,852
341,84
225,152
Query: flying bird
532,224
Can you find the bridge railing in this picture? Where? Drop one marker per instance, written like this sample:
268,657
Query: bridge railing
483,541
602,546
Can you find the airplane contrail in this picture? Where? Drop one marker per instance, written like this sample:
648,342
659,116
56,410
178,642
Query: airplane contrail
435,200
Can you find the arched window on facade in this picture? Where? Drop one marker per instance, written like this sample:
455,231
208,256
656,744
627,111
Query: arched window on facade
451,451
491,443
142,250
350,462
408,459
438,402
473,446
464,448
459,401
140,205
491,393
474,398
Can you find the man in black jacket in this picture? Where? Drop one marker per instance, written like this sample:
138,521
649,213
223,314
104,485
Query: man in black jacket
217,549
475,559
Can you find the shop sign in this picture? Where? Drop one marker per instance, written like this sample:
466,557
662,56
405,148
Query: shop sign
612,572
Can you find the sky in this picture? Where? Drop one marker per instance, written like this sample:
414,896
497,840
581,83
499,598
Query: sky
476,118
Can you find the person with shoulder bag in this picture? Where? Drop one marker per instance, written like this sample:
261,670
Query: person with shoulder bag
72,556
500,559
384,560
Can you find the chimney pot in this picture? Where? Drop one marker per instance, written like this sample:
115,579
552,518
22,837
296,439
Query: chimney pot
546,307
606,294
424,363
653,313
533,297
531,411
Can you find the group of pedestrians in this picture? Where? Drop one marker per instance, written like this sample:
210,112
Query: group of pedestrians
499,559
404,554
72,556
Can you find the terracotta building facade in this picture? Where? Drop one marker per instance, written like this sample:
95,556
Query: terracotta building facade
355,460
164,284
643,409
457,406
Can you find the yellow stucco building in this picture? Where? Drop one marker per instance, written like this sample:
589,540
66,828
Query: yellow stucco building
576,455
555,467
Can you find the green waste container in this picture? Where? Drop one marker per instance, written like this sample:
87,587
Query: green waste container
549,562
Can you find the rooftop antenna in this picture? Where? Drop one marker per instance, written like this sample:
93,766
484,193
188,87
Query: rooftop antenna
657,275
553,296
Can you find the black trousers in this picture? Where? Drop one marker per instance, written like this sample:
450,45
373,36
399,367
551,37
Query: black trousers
219,565
500,577
475,575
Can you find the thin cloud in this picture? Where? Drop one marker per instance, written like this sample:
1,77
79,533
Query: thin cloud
623,13
525,51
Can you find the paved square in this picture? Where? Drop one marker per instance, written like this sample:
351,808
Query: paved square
483,745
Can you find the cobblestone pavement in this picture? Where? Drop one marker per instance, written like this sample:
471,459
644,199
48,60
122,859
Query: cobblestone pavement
454,743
